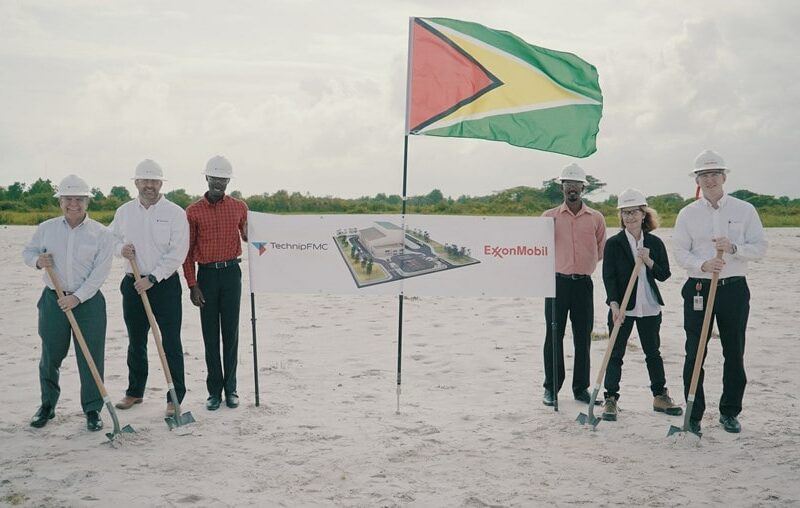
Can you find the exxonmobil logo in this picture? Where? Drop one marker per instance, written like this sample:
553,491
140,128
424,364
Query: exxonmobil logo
519,250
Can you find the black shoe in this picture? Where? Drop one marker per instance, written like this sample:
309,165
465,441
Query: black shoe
93,421
694,426
586,398
730,424
232,400
548,399
212,404
44,414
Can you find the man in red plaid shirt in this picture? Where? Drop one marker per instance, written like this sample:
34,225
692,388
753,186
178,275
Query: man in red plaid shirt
216,224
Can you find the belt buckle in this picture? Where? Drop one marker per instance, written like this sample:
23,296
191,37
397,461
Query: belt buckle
574,276
219,264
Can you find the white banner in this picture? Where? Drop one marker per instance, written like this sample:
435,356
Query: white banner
370,254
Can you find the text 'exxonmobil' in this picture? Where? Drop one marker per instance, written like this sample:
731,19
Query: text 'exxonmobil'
520,250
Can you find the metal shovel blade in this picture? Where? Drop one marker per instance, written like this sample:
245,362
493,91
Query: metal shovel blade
126,429
675,430
583,419
114,433
178,420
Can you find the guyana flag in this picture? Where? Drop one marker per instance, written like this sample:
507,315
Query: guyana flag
469,81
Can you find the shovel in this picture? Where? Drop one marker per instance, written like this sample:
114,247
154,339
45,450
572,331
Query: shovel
591,418
177,419
698,362
90,361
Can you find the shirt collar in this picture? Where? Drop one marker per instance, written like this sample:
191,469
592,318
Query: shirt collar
721,203
632,240
564,208
208,201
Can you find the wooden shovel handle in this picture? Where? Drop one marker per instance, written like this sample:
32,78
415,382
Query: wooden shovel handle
78,335
701,346
153,325
623,307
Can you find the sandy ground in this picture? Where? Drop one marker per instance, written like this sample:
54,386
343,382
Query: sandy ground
471,431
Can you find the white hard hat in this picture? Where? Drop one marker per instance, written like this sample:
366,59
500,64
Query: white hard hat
73,185
218,166
707,160
574,173
149,169
631,197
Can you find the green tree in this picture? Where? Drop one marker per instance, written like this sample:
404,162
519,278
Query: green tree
15,190
120,192
179,197
41,187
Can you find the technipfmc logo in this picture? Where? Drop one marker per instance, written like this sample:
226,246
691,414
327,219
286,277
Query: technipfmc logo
305,246
261,246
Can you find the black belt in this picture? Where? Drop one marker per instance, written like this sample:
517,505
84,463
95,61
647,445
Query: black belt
220,264
130,275
66,293
722,282
572,276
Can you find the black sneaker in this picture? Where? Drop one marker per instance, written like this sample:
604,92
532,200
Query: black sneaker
694,426
730,424
548,399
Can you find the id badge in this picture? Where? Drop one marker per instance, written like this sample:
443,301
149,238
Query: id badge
698,302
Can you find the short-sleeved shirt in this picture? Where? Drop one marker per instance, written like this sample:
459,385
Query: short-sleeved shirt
580,239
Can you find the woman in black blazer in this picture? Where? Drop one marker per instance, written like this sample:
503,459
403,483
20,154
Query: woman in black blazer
644,306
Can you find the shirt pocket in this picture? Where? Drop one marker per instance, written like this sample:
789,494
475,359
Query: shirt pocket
735,232
161,233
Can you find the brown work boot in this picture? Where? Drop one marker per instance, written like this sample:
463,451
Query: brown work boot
127,402
170,412
610,409
663,403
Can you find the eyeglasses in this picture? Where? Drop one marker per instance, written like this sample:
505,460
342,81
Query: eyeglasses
630,213
709,174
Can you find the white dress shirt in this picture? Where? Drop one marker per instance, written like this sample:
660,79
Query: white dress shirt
699,222
646,301
81,255
159,234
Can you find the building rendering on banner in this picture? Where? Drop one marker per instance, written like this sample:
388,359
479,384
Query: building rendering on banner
384,252
383,240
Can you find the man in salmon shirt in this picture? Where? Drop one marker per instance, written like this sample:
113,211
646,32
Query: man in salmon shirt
580,237
217,226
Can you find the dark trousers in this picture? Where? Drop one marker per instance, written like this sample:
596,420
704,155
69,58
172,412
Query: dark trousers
55,331
165,299
648,327
731,309
573,297
222,290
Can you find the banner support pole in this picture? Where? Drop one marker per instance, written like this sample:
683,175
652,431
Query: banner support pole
255,344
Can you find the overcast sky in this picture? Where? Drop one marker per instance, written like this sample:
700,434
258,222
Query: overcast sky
309,96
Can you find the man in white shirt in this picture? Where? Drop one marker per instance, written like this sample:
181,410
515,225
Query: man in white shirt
154,231
79,250
715,222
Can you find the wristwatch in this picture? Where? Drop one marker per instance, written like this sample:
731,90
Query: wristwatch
152,278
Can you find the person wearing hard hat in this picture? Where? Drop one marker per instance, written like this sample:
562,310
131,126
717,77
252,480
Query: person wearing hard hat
79,250
217,227
153,231
717,222
580,236
636,241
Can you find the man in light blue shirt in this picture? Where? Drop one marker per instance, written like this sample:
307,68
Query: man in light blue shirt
79,250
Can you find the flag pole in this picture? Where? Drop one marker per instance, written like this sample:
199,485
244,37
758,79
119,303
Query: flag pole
255,345
403,212
400,296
